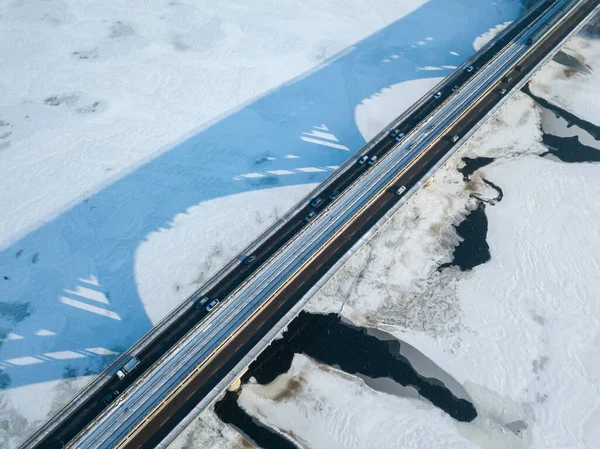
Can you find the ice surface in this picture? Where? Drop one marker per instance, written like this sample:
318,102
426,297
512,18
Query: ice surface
123,126
521,332
323,408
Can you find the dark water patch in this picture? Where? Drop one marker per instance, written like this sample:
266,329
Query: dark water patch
571,119
570,61
473,250
472,165
569,149
5,380
229,411
490,201
422,364
328,340
262,160
517,427
15,311
266,181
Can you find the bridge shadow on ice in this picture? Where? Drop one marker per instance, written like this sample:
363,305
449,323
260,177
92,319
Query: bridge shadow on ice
71,296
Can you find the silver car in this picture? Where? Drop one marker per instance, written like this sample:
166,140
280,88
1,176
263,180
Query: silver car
212,305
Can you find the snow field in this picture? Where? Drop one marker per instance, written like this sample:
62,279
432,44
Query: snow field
93,95
323,408
521,332
128,82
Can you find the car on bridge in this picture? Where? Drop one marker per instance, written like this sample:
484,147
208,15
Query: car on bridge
248,261
396,135
109,398
131,364
212,305
200,303
316,202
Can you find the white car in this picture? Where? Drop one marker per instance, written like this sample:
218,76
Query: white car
372,160
212,305
401,190
437,95
363,159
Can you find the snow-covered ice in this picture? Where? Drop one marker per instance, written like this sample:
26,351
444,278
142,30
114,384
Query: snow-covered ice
520,332
322,408
123,126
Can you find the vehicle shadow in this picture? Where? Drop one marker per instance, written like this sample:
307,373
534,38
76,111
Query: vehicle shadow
68,295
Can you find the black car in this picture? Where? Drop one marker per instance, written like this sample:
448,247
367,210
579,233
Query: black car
201,302
249,261
334,194
110,397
